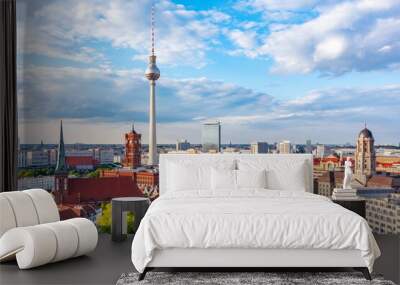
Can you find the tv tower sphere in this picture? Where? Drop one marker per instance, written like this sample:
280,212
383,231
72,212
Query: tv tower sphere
152,71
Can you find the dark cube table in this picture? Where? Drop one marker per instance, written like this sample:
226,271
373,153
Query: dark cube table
120,207
357,206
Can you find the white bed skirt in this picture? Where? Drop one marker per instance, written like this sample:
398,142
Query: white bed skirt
189,257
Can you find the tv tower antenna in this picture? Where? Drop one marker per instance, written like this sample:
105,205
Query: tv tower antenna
152,23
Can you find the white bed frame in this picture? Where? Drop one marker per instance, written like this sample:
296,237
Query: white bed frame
246,258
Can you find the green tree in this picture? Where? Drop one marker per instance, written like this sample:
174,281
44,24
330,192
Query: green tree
104,221
26,173
130,221
94,174
74,173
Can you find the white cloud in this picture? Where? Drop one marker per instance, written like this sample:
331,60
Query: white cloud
216,16
122,95
327,37
344,36
329,115
245,41
273,11
330,48
352,35
271,5
101,98
183,36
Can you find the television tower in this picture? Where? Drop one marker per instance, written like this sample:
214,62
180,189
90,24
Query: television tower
152,74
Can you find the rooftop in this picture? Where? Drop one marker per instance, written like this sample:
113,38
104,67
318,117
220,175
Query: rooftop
366,133
383,181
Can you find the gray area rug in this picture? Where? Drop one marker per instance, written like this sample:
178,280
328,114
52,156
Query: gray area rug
229,278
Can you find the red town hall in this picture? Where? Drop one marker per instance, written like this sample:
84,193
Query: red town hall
132,149
132,180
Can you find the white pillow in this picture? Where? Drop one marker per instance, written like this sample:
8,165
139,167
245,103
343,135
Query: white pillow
251,178
223,179
189,175
293,180
282,174
182,177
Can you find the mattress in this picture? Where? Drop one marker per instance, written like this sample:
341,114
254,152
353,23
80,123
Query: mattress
250,219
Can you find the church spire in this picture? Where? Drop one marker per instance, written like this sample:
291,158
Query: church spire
61,152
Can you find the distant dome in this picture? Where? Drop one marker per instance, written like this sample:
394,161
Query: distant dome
365,133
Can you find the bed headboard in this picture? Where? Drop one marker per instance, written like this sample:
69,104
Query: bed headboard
209,158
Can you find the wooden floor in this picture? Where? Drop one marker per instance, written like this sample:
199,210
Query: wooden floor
111,259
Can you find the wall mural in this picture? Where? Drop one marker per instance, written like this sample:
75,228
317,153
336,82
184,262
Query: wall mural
94,112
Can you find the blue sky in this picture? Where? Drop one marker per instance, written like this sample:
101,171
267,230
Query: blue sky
268,70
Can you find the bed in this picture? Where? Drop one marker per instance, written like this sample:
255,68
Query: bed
247,210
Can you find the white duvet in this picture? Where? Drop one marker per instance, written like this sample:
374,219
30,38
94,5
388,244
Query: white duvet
250,219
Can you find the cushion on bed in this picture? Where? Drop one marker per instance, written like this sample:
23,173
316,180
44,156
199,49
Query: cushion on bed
182,177
251,179
281,174
294,180
193,175
223,179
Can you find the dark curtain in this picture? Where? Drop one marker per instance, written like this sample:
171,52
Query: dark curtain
8,97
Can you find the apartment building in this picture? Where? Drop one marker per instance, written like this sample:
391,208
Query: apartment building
383,214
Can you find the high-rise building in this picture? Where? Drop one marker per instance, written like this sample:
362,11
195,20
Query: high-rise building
132,149
285,147
52,157
103,155
321,151
152,74
37,158
308,148
182,145
259,147
106,156
22,158
211,137
383,214
365,157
